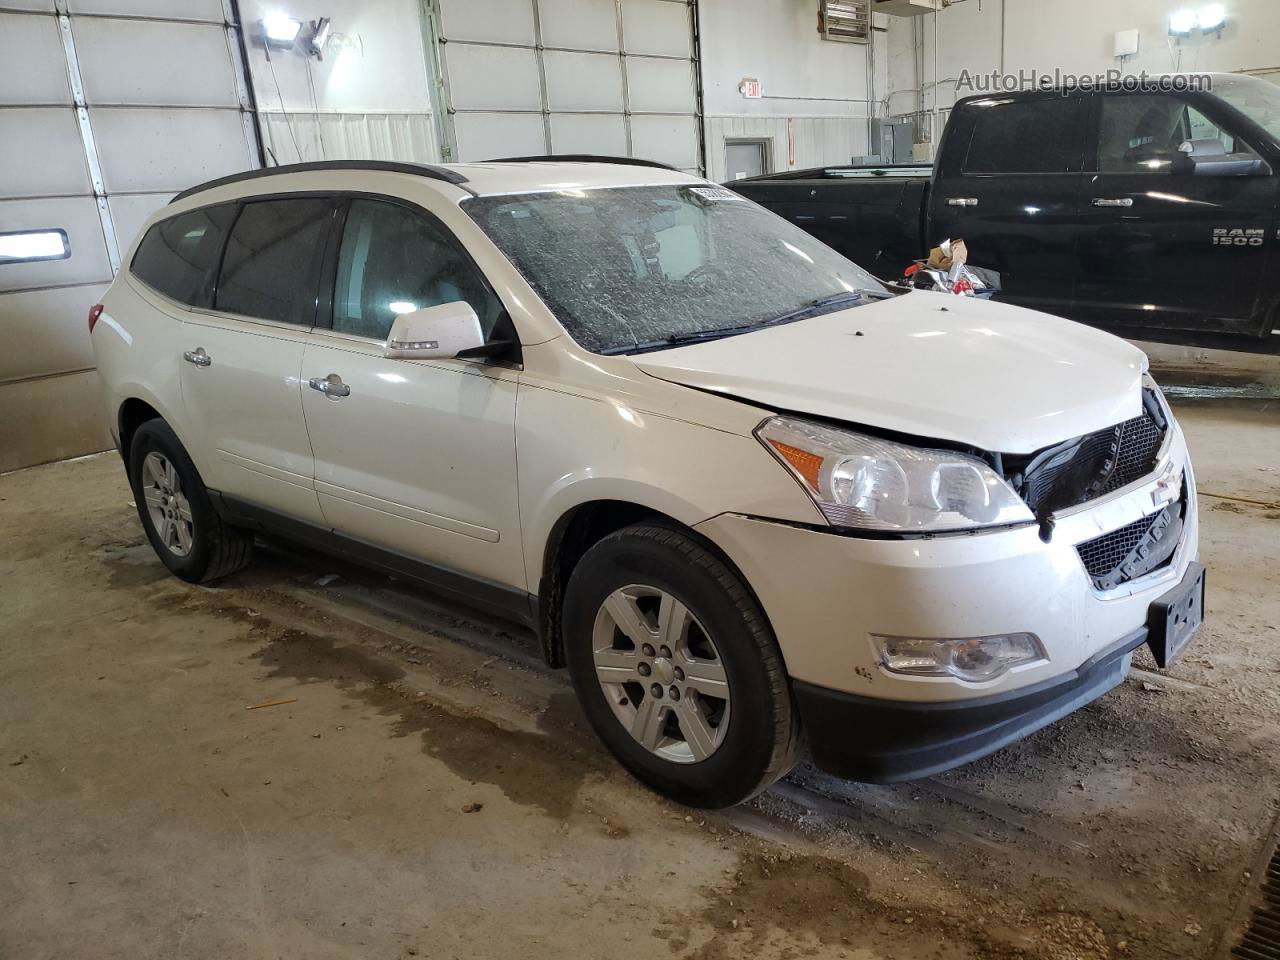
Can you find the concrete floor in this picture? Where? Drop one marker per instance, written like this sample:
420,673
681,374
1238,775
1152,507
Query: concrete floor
429,790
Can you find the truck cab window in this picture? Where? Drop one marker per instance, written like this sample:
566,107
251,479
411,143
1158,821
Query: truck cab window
1022,136
1142,134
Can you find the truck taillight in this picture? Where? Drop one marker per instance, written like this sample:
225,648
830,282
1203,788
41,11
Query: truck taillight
94,313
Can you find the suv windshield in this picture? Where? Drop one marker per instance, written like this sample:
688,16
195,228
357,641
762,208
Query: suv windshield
639,268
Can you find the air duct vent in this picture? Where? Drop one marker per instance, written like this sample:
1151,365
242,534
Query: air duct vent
848,21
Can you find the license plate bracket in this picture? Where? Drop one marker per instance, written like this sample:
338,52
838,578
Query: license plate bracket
1174,618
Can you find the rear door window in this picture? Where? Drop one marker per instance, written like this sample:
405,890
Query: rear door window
179,256
1024,136
395,260
270,269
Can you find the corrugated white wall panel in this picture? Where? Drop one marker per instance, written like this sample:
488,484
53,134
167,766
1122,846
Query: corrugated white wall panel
350,136
815,140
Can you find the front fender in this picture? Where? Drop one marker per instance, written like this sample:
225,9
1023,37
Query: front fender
576,449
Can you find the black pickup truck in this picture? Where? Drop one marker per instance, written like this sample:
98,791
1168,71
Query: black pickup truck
1150,214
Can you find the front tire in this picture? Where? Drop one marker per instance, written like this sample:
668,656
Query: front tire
176,511
677,668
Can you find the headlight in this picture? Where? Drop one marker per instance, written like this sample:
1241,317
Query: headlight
873,484
968,658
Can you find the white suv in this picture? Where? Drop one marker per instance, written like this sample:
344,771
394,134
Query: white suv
737,485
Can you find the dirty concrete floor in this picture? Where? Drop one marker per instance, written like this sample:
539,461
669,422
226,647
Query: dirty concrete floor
427,789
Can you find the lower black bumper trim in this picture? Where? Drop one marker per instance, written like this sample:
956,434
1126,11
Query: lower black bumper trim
886,741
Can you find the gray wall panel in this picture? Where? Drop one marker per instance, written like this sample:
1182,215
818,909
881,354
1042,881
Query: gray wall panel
501,21
151,149
51,419
493,78
580,24
210,10
52,327
148,62
40,153
583,81
589,133
658,27
32,66
660,85
88,262
483,136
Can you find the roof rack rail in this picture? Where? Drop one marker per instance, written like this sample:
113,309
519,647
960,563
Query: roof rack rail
584,158
389,166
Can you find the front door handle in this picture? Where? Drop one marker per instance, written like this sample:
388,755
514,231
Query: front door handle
1109,202
331,386
962,201
198,357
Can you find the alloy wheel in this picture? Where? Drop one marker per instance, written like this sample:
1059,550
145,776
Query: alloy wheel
167,506
661,673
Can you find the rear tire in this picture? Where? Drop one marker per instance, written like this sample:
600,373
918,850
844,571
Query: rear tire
176,511
677,669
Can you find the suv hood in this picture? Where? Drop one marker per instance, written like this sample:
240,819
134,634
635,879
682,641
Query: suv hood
933,365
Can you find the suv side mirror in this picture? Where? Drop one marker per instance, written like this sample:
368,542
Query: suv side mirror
1209,158
433,333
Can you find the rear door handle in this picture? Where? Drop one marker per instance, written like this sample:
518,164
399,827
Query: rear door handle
198,357
1110,202
331,386
962,201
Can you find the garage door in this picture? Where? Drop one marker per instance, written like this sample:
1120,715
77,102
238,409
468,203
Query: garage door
570,76
107,108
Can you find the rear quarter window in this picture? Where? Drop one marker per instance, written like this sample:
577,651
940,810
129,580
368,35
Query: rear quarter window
179,256
271,266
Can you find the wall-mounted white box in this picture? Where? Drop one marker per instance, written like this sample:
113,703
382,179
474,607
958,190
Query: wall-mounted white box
1126,43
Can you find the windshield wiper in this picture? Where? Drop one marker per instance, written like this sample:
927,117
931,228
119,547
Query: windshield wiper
811,309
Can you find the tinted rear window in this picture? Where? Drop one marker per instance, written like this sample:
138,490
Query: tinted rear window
179,256
269,270
1023,136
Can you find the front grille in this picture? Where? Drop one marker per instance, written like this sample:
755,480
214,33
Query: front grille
1132,550
1096,464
